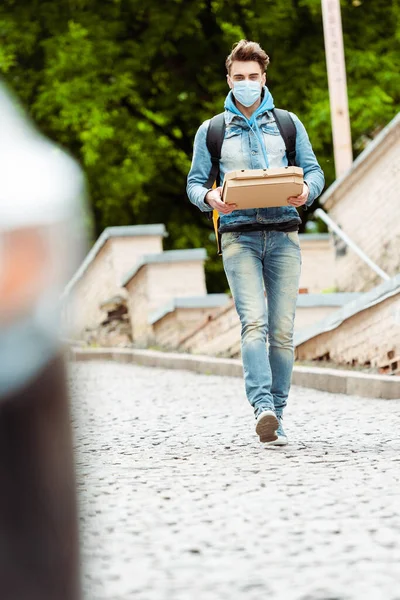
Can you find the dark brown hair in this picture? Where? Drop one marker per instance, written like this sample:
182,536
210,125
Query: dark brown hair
247,51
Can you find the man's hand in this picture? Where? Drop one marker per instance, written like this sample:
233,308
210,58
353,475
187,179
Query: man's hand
302,199
213,198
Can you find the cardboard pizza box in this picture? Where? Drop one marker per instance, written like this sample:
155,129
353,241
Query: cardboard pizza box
262,188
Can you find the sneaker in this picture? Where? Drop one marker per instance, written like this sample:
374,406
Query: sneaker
266,426
281,436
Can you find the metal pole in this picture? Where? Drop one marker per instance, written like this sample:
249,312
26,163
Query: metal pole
332,225
333,36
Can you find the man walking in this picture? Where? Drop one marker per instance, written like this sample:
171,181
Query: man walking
260,247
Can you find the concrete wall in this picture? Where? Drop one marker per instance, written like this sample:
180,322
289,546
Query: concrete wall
306,316
126,252
176,325
366,206
102,280
154,285
370,336
218,336
138,300
175,280
97,284
318,262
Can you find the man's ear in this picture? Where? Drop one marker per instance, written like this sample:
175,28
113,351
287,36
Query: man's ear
264,79
228,79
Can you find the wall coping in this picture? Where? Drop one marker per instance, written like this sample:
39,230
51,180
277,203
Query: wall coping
378,143
215,300
332,299
382,292
303,301
108,233
206,301
169,256
314,237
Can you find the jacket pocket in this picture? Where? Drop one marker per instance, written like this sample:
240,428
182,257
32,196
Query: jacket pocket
270,129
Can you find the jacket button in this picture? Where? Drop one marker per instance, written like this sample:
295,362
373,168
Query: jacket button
254,152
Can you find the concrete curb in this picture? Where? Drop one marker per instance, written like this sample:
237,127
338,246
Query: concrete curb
165,360
340,381
328,380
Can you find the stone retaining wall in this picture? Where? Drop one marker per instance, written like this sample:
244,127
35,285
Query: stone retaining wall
371,337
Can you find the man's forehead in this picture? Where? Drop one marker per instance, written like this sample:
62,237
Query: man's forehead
242,67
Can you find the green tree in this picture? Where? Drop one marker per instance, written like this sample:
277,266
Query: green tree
124,85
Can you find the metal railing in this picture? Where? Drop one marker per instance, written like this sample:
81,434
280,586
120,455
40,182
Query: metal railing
334,227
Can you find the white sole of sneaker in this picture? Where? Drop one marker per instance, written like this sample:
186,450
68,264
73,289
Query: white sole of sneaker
266,426
281,441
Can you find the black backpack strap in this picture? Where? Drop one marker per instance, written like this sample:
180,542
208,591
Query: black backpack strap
214,140
287,129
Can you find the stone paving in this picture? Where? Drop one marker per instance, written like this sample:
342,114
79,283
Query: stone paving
180,501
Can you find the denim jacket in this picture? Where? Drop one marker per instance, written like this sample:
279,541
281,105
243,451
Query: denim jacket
241,150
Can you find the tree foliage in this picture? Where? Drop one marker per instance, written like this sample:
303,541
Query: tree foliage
124,84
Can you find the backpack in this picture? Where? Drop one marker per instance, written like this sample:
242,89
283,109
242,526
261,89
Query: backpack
214,141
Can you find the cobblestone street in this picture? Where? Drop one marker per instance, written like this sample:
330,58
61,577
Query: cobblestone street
180,501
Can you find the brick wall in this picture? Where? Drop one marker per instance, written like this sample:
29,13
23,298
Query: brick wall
154,285
138,302
102,280
318,263
371,336
306,316
218,336
178,324
127,251
175,280
97,284
221,335
366,206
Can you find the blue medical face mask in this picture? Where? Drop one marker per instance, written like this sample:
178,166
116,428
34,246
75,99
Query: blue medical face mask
247,92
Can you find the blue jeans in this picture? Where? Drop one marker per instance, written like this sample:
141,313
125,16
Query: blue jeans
252,261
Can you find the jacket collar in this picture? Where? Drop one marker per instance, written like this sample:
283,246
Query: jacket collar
231,118
263,112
